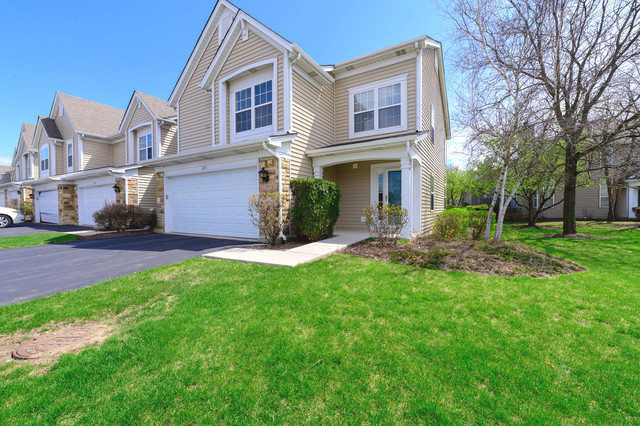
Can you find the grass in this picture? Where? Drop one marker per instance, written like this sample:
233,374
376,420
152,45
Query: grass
36,239
208,341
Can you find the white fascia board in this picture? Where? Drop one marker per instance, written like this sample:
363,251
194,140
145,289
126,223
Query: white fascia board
230,40
198,50
362,146
409,44
131,109
325,77
84,174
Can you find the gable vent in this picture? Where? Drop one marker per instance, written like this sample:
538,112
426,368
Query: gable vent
223,27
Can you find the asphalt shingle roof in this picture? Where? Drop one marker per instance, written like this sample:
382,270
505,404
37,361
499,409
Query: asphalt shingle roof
91,117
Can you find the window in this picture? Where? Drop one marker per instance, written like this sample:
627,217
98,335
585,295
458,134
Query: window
433,187
254,107
378,108
433,126
70,156
604,197
145,147
27,160
44,159
607,158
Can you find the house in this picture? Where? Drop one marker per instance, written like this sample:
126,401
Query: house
85,154
249,99
6,173
23,168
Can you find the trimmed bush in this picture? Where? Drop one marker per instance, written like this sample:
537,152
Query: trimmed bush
264,212
121,217
315,207
385,222
27,210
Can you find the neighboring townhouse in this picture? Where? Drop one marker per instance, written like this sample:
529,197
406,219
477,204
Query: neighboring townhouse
24,165
6,175
85,159
249,100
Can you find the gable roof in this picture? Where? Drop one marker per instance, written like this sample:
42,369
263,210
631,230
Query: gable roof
91,117
157,106
50,127
199,49
27,132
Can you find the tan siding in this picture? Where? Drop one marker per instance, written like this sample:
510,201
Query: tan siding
67,132
140,116
147,188
61,155
433,156
587,205
119,154
194,106
96,155
38,144
343,85
312,119
169,140
355,190
245,52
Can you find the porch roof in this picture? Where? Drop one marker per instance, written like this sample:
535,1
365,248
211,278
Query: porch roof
387,142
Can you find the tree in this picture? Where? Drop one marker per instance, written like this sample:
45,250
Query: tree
582,64
458,185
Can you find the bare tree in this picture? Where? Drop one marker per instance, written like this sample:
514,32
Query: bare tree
583,58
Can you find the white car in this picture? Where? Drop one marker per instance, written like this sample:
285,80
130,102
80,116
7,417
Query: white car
9,216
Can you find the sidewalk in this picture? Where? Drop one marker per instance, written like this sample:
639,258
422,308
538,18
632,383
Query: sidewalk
292,257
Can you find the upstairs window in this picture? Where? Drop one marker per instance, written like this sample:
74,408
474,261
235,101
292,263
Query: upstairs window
145,147
378,108
69,156
254,107
44,159
607,158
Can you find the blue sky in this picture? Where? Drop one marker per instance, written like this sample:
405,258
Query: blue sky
102,51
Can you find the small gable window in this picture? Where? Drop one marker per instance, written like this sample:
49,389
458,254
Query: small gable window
44,159
145,147
69,156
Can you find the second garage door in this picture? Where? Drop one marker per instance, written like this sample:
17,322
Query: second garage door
48,206
213,203
92,199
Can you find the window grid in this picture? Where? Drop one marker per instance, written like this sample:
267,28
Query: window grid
378,108
69,156
261,110
145,147
604,196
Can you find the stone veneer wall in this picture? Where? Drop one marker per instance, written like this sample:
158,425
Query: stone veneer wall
28,192
270,164
132,191
121,196
68,204
160,201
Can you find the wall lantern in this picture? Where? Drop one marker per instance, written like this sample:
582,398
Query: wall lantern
116,188
264,175
19,192
31,195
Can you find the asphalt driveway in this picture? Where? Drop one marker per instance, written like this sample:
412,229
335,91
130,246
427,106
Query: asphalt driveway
31,272
39,228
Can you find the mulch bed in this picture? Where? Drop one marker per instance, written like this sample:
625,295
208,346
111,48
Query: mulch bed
578,236
113,235
502,259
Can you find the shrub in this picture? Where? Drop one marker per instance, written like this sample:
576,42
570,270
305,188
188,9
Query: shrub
315,208
433,259
27,209
385,222
264,212
636,211
447,226
120,217
478,207
13,203
477,223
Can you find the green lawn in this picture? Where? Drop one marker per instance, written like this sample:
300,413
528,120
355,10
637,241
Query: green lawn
209,341
36,239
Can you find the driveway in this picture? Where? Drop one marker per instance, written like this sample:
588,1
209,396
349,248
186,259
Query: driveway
30,272
39,228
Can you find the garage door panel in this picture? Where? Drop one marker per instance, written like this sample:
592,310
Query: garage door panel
92,199
48,206
213,203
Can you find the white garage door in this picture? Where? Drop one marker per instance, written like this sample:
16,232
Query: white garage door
48,206
92,199
213,203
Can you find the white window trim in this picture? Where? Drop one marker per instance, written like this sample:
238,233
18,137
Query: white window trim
402,79
149,145
432,127
600,205
133,141
228,82
45,173
69,143
432,193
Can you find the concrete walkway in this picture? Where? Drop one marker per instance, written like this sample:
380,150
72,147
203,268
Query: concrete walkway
294,256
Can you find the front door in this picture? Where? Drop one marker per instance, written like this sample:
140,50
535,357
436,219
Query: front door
388,186
634,201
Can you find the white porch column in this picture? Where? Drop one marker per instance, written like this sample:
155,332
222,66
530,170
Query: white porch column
317,172
407,193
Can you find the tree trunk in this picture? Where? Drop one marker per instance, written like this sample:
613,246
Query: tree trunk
531,212
570,182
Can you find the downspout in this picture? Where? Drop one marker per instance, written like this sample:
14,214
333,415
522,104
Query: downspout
275,154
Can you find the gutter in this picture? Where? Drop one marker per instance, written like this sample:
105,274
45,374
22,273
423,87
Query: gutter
275,154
